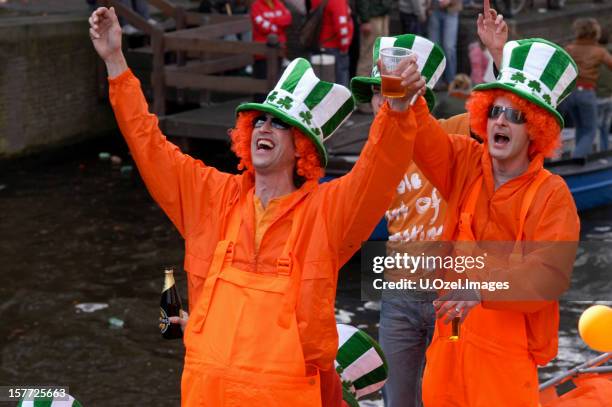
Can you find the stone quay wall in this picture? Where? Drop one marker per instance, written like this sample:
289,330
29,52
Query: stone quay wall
48,86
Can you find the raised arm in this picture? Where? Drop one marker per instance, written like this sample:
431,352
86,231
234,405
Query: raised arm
185,188
436,152
356,202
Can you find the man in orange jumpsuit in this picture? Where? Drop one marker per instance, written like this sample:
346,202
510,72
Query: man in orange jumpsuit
499,191
263,248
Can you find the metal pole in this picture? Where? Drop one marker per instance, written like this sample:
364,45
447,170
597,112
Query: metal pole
593,362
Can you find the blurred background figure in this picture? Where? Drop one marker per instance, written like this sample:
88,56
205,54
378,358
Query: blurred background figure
453,103
481,63
413,16
139,6
373,23
442,28
604,96
582,103
268,17
336,35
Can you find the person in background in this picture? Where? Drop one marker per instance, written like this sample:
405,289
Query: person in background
413,16
373,23
604,97
453,103
267,17
582,102
480,60
336,34
443,28
416,213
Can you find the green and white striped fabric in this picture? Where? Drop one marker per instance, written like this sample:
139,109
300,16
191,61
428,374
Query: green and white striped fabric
302,100
430,60
537,70
68,401
360,362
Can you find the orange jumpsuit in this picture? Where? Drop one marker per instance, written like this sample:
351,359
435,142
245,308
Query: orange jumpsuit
262,320
494,362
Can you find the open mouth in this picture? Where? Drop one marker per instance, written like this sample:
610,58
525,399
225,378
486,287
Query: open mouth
501,139
264,144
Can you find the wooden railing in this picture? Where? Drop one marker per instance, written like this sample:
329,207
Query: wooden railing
201,35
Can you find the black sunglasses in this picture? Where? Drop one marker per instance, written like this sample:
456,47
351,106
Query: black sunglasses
259,121
512,115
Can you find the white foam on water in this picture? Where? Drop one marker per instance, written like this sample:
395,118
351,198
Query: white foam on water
91,306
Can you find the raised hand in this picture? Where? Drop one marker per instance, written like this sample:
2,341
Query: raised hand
492,31
105,34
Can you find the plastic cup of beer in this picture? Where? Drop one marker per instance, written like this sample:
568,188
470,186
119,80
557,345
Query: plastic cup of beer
390,59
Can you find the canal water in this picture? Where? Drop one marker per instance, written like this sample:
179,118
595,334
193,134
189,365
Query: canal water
83,248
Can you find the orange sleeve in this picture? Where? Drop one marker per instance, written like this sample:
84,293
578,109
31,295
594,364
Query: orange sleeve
356,202
445,159
551,241
458,124
184,187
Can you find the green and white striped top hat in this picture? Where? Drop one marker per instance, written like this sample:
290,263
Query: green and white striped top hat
360,363
430,60
537,70
65,401
302,100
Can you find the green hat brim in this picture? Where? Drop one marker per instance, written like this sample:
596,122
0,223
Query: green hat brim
348,397
279,114
361,88
524,95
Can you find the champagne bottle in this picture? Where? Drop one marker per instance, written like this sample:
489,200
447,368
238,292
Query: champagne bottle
170,306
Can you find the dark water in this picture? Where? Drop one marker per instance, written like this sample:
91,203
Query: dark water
74,229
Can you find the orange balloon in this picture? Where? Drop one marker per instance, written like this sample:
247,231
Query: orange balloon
595,327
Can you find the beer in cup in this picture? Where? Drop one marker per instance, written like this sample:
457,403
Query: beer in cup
390,59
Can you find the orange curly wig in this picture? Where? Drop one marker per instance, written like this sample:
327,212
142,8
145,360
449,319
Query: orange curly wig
542,127
308,164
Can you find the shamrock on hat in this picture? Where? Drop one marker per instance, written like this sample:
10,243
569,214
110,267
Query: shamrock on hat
430,61
537,70
300,99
